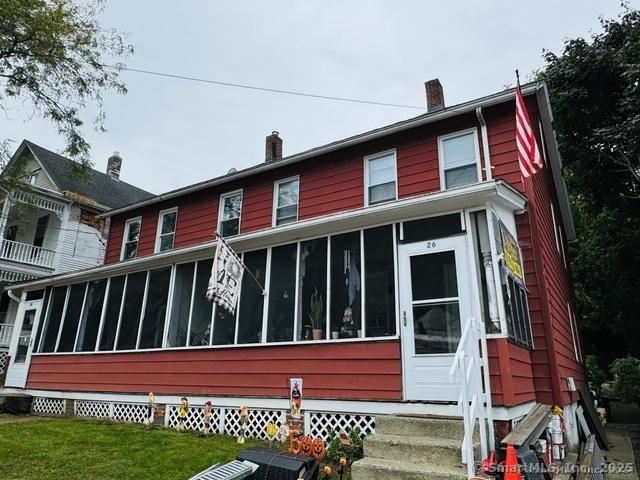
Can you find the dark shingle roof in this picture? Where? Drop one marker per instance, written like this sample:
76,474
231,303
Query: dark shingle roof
99,186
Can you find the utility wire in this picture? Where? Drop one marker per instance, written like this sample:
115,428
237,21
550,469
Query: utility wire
263,89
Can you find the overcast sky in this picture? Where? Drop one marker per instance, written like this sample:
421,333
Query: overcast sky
173,133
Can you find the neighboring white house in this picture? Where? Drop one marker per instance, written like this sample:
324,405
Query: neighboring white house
51,226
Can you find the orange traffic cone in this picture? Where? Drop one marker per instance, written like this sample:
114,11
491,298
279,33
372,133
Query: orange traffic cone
511,467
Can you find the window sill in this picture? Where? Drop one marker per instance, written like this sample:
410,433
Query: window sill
220,347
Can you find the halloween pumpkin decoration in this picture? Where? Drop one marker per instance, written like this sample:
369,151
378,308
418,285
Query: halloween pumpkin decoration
306,445
317,448
294,441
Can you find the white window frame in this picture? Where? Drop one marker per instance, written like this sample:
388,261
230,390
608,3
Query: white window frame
459,133
126,234
161,215
276,187
223,197
368,160
555,226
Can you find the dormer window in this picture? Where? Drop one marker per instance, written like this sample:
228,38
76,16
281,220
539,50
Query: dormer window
380,175
130,238
33,178
286,201
459,159
230,212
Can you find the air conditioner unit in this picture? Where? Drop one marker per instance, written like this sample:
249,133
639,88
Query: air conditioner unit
277,465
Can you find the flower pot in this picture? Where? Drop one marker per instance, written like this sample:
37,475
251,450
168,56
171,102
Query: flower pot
335,334
318,334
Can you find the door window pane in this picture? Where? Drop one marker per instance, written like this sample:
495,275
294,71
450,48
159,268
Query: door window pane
459,160
181,306
251,298
230,220
110,324
202,308
345,285
25,335
155,310
434,276
379,270
282,290
312,307
436,327
72,318
53,319
91,314
130,321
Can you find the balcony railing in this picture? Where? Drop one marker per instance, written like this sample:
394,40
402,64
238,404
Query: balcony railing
25,253
6,330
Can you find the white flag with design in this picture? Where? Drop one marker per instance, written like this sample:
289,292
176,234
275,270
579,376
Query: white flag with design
226,277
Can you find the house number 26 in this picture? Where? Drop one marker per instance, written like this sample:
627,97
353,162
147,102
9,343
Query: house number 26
431,244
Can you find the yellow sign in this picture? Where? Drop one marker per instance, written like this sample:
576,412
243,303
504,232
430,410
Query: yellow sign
272,430
511,253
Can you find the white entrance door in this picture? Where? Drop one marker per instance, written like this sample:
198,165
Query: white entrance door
434,296
26,325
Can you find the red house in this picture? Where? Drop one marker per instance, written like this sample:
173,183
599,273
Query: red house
389,260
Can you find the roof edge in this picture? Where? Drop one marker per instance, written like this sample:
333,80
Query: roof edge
424,119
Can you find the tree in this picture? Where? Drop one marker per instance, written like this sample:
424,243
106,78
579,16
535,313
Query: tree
626,379
595,92
53,56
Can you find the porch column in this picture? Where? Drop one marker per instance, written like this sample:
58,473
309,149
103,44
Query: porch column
487,261
6,207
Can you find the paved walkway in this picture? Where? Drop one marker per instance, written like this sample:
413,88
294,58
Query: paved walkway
621,450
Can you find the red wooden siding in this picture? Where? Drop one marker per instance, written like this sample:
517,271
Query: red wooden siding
362,371
511,373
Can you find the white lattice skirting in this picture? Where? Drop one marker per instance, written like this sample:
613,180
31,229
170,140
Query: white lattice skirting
223,420
4,362
48,406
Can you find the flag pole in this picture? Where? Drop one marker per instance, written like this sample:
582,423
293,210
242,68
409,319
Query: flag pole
221,238
517,78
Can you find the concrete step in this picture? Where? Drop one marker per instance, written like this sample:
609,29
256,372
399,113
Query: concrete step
417,426
379,469
418,449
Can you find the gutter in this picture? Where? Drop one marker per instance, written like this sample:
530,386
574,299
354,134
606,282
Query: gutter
485,144
421,120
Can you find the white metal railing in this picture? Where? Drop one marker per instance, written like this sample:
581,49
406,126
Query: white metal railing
470,368
26,253
6,330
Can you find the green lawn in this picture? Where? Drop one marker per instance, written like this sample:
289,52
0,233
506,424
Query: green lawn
69,449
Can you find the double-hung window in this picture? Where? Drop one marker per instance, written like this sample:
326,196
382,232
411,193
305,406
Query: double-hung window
166,229
230,211
131,237
459,159
286,201
380,174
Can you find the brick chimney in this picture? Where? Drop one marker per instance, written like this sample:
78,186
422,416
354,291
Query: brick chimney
114,163
435,95
273,147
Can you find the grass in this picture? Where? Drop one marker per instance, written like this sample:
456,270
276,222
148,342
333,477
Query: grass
72,449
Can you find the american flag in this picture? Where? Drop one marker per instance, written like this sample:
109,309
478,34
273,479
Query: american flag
528,153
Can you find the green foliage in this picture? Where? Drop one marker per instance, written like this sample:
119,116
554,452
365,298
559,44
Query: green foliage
626,379
596,375
357,443
52,61
80,449
336,450
595,96
317,311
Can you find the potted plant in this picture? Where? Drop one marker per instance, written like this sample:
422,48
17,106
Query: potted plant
316,315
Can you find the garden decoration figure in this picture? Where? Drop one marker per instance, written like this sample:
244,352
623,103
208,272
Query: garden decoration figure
244,423
183,410
348,329
208,410
296,397
151,404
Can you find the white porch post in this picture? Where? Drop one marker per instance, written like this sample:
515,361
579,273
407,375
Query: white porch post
6,208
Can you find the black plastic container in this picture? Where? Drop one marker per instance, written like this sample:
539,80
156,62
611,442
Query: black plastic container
277,465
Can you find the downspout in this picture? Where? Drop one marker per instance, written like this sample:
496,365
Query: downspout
485,144
13,297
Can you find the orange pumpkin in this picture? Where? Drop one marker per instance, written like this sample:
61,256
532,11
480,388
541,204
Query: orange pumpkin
317,448
307,443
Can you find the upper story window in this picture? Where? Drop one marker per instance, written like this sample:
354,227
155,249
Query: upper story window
230,211
33,178
131,237
166,229
380,175
286,201
459,155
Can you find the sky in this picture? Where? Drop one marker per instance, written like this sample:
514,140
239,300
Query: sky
172,133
